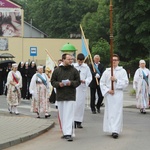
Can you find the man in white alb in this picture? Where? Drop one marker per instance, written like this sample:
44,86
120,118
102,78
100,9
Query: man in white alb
85,78
113,114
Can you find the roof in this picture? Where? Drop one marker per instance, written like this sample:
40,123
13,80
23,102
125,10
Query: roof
36,28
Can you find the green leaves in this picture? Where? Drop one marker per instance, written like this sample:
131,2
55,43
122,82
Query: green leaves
60,18
132,28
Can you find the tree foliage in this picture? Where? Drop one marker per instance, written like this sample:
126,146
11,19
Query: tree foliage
60,18
132,28
102,48
96,24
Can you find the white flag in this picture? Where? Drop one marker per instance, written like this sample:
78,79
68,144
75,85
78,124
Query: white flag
50,63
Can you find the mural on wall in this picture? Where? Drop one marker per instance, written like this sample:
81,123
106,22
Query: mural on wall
10,19
3,44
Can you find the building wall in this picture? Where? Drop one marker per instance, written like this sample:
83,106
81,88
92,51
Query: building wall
20,48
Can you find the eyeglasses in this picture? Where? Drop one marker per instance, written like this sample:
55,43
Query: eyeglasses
115,59
69,59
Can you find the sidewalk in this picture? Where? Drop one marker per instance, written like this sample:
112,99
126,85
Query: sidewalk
17,129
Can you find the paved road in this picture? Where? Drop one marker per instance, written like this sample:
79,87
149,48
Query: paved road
135,135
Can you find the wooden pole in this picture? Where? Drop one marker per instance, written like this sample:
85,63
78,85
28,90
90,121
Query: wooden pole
111,41
88,52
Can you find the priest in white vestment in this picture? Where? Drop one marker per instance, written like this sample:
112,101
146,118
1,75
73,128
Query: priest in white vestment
113,114
141,84
85,78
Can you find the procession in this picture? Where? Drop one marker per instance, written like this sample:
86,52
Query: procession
70,81
67,71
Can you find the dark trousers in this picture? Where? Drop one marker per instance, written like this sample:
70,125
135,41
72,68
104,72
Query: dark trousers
93,98
52,98
24,88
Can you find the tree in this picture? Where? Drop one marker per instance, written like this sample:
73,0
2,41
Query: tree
58,18
102,48
132,28
96,24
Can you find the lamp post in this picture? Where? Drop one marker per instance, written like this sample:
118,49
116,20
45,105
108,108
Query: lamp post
111,40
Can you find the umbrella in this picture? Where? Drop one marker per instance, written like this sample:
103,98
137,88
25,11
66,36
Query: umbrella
5,63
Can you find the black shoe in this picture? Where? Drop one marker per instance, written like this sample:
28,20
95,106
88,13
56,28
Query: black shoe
46,116
98,110
79,125
144,112
69,138
63,137
93,112
75,124
38,115
9,110
141,110
115,135
102,104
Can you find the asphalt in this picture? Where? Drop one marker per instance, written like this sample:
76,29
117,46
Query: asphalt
15,129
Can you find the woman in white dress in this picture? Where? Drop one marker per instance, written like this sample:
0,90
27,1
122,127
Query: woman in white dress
141,83
14,83
40,90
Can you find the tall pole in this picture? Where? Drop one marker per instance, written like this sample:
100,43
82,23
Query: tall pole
111,41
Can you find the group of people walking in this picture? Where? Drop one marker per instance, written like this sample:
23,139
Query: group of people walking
70,81
71,89
26,82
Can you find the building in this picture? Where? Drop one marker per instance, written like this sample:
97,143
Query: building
30,43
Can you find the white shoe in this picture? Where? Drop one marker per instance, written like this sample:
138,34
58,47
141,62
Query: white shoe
16,112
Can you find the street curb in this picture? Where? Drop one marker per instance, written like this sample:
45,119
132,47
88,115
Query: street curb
130,106
27,137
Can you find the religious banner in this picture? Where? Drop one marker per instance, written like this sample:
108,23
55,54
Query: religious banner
3,44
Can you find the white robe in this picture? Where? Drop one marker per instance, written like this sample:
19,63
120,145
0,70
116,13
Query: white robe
85,74
141,87
113,114
66,114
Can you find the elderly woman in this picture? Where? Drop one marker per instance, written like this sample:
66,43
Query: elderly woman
40,89
141,84
14,83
